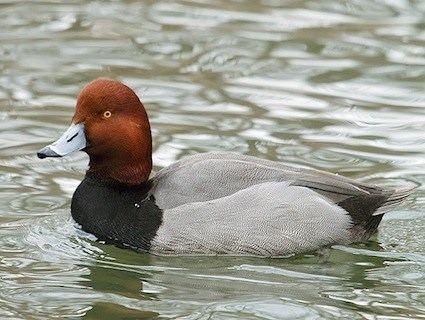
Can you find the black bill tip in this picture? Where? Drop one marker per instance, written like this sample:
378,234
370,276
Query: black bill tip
46,152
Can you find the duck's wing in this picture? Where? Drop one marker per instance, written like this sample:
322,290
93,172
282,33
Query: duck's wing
209,176
267,219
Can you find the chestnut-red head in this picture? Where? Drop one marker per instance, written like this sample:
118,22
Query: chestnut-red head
111,125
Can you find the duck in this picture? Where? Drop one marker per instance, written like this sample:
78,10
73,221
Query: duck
213,203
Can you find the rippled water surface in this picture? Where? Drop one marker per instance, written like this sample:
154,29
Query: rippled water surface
337,85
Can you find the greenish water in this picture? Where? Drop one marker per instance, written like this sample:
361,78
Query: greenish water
337,85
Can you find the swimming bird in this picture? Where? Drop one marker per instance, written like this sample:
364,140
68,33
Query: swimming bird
209,203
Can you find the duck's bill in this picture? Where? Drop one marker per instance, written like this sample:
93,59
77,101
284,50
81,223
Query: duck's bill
73,139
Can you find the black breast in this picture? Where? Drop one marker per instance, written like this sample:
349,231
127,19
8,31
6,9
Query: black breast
121,214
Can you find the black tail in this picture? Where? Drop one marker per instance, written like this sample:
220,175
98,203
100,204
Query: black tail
367,210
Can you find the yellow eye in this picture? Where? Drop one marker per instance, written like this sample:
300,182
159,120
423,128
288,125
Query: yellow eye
107,114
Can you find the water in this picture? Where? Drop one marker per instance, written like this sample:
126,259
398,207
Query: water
337,85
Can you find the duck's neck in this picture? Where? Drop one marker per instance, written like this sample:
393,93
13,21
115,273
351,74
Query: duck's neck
130,173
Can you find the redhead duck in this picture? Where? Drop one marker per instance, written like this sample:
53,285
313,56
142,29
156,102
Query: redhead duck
209,203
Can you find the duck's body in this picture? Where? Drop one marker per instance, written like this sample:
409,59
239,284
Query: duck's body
210,203
226,203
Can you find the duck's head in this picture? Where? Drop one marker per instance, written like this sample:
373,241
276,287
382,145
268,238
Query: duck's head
111,125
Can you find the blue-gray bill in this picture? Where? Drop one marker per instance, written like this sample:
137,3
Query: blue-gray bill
73,139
